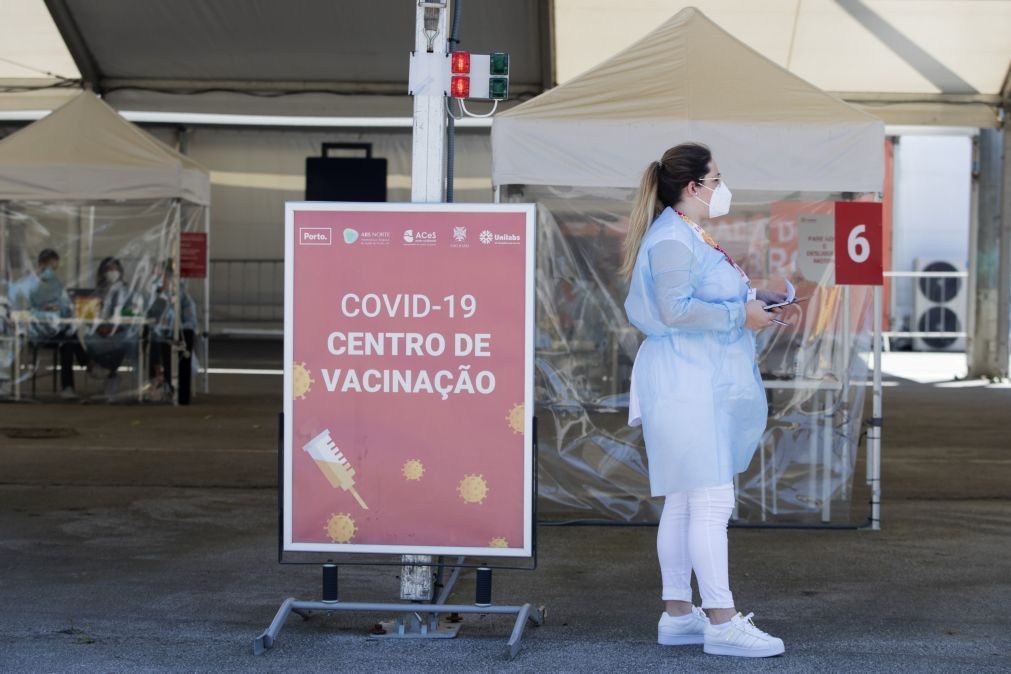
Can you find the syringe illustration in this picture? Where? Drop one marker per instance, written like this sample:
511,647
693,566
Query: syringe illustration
333,463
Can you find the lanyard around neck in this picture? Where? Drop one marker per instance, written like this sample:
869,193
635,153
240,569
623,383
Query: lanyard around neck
712,242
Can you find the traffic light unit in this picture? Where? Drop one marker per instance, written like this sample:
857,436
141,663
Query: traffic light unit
479,75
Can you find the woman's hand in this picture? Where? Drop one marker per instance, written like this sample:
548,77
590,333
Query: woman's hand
756,317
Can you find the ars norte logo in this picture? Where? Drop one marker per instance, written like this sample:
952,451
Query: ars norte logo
413,237
366,238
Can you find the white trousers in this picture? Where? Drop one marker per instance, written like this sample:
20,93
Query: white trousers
693,535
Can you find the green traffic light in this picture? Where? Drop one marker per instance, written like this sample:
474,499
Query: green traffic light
498,88
499,63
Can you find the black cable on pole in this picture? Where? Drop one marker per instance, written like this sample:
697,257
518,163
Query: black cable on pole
453,40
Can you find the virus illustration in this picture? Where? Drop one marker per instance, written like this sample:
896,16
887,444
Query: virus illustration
516,419
498,543
340,528
473,489
301,381
413,470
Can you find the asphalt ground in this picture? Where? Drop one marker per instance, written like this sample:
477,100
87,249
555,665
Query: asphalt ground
146,541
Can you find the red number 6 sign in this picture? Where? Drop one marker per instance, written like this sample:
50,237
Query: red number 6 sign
858,243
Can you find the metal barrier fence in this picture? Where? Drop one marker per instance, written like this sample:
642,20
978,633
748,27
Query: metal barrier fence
249,290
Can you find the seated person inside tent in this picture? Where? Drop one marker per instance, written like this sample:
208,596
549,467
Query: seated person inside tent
45,297
161,311
110,340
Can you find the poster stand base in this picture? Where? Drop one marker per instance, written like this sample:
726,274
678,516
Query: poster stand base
416,621
421,622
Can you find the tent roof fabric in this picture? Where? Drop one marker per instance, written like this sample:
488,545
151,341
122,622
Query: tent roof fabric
289,50
689,80
931,62
86,151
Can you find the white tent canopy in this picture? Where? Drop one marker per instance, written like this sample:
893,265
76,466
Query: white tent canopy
689,80
930,62
86,151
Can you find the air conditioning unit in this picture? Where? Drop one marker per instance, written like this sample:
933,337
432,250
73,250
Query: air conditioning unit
939,305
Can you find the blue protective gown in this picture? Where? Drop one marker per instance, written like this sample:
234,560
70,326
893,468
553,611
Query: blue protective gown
696,388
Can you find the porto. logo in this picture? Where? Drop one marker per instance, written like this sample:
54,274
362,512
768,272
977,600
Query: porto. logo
350,235
316,236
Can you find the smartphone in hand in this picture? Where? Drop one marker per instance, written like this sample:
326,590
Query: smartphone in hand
784,304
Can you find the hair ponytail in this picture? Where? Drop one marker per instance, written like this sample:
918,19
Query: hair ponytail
661,186
644,212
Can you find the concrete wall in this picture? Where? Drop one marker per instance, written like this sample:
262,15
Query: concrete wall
932,206
254,171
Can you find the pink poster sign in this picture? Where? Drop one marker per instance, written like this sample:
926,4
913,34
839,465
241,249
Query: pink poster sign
409,378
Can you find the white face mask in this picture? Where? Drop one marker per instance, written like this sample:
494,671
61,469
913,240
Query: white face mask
112,276
719,202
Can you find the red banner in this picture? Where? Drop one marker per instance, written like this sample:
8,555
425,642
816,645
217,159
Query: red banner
409,378
193,255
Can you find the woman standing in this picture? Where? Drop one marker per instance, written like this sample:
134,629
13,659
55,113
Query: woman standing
696,390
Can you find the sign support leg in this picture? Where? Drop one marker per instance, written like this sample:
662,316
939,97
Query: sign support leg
416,621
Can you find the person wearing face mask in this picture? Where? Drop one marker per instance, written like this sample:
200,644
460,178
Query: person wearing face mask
110,341
161,310
696,391
49,302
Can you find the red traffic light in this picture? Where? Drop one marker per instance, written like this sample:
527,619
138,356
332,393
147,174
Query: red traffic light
460,86
461,62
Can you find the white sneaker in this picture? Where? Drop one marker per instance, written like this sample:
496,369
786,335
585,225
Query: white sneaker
682,630
68,394
740,637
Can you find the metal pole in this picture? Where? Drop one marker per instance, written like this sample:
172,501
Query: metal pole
427,174
1004,265
5,276
874,433
176,299
89,258
971,276
4,253
826,455
207,303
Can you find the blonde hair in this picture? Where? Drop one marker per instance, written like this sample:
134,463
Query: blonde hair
661,186
644,212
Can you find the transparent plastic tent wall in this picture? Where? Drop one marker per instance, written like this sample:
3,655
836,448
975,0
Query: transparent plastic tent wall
592,465
110,324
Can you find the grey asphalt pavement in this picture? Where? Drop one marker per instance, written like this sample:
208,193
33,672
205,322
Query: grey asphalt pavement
147,542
